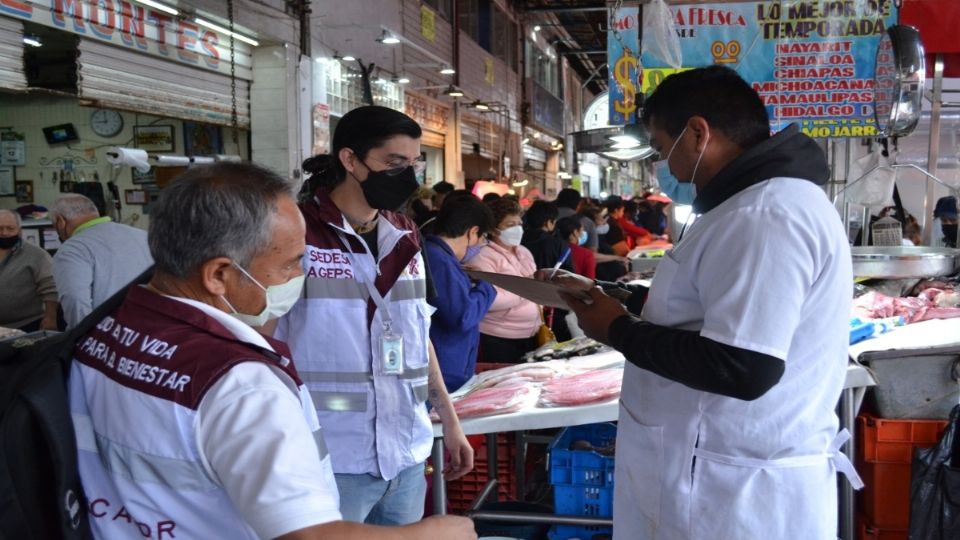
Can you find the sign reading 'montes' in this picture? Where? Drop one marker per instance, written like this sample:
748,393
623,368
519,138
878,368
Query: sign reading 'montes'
131,25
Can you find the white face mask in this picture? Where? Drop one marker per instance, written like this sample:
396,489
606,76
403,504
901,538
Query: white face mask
280,299
511,236
603,229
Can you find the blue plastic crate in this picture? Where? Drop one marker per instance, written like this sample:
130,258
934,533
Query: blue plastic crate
583,500
567,532
582,467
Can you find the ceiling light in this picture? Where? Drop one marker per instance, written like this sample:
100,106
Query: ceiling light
32,41
453,91
480,106
387,38
525,140
349,58
400,80
158,5
447,70
218,28
521,183
536,28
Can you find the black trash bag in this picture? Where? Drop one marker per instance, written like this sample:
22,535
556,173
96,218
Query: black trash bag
935,487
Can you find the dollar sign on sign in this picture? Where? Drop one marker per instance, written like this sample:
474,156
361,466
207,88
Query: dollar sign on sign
623,73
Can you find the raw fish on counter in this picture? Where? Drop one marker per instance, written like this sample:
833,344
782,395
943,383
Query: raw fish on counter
497,400
932,303
581,389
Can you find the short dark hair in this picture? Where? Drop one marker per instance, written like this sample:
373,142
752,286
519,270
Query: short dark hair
630,207
716,93
612,204
567,226
491,196
360,130
568,198
460,214
502,208
539,213
442,187
219,210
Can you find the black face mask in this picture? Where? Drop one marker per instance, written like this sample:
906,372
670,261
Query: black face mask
7,242
385,192
949,234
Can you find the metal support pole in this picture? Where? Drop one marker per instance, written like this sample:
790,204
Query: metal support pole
492,465
523,517
848,413
933,153
439,484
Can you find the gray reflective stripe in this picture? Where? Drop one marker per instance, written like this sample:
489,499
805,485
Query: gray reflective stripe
335,377
178,474
408,290
355,377
339,401
416,373
340,289
420,392
321,443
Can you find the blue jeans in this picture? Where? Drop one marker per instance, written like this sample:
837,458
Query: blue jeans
365,498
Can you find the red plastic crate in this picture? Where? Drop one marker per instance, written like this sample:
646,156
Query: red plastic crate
869,531
893,441
884,456
462,493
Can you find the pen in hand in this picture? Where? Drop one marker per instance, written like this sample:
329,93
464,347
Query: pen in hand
563,259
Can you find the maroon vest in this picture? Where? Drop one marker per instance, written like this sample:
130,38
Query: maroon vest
170,350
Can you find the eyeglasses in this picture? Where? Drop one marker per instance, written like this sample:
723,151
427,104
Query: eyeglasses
398,166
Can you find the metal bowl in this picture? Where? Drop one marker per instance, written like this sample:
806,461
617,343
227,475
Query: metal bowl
903,262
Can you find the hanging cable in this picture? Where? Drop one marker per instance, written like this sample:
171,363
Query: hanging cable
234,121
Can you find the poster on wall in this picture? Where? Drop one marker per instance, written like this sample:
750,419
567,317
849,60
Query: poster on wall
812,62
201,139
13,148
321,129
624,68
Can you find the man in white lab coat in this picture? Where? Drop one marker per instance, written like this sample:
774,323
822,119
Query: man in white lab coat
727,426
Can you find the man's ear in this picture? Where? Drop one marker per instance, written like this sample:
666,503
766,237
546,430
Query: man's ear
215,277
701,130
348,159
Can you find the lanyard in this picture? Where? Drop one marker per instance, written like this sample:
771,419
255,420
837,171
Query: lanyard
370,281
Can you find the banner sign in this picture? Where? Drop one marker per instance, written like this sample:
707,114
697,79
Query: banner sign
624,73
135,26
812,62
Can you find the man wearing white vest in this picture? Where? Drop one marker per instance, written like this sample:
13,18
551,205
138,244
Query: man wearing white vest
189,423
361,334
727,427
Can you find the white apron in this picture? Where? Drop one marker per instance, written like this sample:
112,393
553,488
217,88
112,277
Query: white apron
694,465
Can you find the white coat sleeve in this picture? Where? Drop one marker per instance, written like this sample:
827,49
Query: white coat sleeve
754,278
255,441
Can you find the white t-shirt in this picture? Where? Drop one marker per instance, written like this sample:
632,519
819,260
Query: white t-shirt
252,413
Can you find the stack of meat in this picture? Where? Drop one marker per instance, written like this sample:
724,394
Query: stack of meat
930,303
557,383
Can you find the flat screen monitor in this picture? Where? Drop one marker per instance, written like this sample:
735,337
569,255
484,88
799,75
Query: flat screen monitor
61,133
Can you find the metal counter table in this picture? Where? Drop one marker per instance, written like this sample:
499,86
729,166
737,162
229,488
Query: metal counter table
855,386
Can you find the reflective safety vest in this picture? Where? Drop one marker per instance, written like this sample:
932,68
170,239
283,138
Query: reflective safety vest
135,386
375,423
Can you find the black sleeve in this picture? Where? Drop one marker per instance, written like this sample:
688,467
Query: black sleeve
690,359
431,288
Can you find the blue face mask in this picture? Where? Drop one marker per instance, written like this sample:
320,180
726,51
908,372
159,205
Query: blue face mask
472,252
583,238
680,192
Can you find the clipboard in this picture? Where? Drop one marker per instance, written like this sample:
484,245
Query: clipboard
544,293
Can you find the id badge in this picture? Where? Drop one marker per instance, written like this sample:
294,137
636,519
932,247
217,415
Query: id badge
391,353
